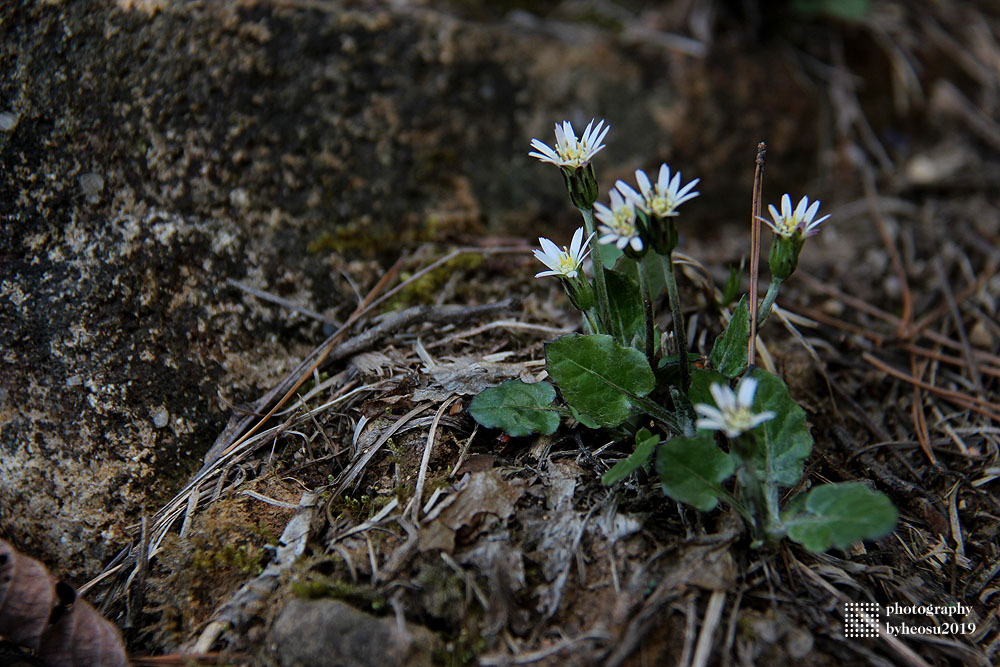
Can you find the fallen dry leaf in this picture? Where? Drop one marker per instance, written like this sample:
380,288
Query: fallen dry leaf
485,493
44,616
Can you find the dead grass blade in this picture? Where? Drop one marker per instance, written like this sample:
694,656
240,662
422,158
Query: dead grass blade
904,652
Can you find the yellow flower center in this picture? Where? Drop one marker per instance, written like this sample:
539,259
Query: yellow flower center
739,419
567,264
660,206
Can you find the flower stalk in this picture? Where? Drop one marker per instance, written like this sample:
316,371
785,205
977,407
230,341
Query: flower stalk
768,302
647,313
600,284
680,331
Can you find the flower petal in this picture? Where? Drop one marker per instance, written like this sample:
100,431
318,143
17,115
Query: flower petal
663,179
786,206
745,391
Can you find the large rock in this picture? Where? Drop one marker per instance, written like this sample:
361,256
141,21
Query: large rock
149,153
330,633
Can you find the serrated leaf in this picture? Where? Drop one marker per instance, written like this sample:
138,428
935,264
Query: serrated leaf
729,354
517,408
625,306
782,443
645,445
692,470
838,515
596,375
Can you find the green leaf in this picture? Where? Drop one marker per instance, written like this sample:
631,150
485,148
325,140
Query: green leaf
732,287
838,515
597,376
645,445
729,354
626,307
584,419
609,254
701,380
693,469
783,443
518,408
652,264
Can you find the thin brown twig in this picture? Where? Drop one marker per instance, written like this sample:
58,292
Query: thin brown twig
920,326
917,409
758,186
906,320
956,315
979,405
946,358
823,318
848,300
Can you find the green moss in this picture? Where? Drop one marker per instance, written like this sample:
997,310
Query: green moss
318,587
359,237
460,650
426,288
404,492
247,558
361,509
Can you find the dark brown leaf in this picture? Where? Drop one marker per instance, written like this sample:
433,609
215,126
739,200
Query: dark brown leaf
44,615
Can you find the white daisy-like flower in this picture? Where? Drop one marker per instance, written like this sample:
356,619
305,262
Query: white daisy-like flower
734,415
789,221
570,151
663,198
618,223
564,263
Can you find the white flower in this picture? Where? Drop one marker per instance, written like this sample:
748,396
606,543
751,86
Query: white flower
788,221
618,223
662,199
564,263
570,151
734,416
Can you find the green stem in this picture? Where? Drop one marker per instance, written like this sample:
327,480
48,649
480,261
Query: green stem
769,298
680,332
762,493
600,286
647,312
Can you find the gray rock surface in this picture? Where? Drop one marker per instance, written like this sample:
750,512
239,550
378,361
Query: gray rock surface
330,633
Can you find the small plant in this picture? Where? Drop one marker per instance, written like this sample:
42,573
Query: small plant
623,373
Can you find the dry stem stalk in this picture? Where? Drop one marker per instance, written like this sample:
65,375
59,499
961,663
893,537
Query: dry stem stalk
758,186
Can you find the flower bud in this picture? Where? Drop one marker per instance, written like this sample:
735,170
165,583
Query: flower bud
580,292
784,256
581,183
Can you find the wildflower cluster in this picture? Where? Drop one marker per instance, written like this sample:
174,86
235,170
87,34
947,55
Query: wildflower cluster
623,371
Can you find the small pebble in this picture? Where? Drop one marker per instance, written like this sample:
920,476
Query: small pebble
160,416
8,121
92,185
980,336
